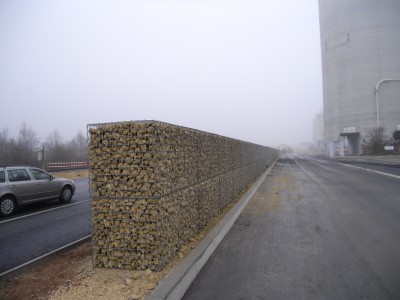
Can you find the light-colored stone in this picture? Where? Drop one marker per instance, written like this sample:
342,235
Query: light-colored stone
156,185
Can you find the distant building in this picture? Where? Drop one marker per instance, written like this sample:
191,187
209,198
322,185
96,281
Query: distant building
318,132
360,46
285,148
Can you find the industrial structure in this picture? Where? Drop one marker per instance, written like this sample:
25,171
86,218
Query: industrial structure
318,132
360,47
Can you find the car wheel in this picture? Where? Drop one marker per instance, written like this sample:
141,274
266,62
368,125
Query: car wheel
7,206
66,194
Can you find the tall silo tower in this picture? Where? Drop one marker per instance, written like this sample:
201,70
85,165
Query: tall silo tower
360,46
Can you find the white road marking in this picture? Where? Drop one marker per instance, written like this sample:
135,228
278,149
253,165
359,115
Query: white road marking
44,255
44,211
370,170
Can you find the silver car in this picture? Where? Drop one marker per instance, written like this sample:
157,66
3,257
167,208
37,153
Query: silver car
22,185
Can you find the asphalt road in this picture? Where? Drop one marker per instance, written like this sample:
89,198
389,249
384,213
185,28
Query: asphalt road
314,230
373,164
43,227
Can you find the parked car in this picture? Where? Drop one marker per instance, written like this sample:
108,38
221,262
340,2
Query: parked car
21,185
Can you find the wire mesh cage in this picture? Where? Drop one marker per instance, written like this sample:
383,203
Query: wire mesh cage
155,185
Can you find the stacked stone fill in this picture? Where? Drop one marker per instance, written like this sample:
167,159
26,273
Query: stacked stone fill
155,185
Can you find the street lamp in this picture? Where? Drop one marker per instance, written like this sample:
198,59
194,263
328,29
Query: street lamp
377,97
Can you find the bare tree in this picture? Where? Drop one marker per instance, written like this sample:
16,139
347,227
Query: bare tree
396,135
78,147
28,144
55,147
376,141
23,149
54,139
4,147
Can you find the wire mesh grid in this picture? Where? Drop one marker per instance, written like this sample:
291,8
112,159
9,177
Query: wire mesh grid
171,166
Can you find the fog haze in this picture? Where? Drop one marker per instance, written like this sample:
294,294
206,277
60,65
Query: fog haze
250,70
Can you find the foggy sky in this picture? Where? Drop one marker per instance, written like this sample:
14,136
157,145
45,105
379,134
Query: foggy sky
246,69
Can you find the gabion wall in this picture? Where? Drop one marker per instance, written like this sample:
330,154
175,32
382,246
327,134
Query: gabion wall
156,185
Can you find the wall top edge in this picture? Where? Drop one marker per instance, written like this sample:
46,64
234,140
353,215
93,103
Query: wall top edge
155,122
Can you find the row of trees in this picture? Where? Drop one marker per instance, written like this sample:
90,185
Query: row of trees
24,148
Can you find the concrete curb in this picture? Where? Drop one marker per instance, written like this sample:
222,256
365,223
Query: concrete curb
174,286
